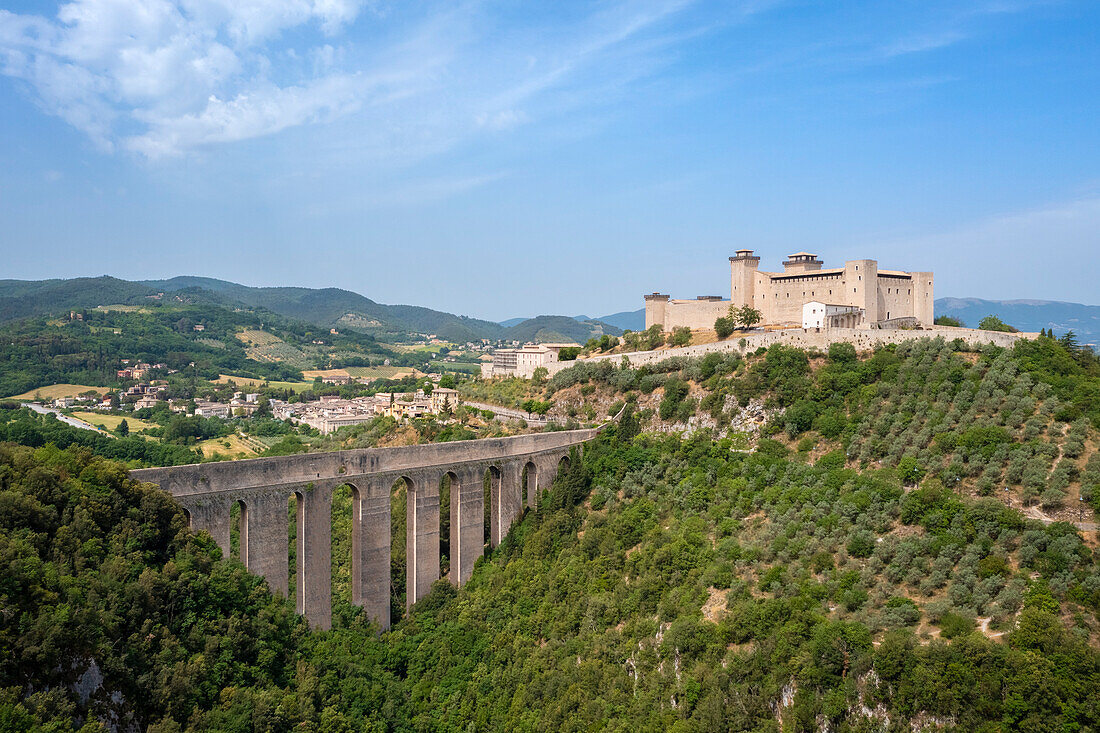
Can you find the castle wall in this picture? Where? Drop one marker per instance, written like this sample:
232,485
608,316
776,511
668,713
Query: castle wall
781,300
864,339
881,296
689,313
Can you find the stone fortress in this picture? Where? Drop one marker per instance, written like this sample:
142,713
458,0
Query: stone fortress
806,295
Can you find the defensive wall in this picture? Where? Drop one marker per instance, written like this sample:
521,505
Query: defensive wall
863,339
263,488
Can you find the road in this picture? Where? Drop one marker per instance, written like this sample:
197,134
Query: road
76,423
511,413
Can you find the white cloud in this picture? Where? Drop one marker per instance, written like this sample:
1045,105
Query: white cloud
164,77
107,65
258,112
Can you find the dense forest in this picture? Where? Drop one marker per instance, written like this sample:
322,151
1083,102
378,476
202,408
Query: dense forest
860,570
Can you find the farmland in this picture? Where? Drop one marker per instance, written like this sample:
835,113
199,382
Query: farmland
231,446
111,422
54,391
251,382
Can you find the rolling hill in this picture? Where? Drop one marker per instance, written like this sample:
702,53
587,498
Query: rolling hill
559,328
327,307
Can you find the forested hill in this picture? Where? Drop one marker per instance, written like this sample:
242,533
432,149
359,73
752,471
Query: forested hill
560,329
858,571
334,307
325,307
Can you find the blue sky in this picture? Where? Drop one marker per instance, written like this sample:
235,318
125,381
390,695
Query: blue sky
506,159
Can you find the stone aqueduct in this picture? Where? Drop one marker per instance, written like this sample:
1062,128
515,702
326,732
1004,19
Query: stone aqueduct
263,487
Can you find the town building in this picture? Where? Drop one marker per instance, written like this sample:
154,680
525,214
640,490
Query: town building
861,295
443,398
522,361
816,314
151,400
211,409
332,412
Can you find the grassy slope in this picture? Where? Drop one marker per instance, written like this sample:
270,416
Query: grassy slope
53,391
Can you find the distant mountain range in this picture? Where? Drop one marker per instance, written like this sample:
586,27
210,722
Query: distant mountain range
1027,315
326,307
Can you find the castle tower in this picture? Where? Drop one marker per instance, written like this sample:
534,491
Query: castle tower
801,262
923,297
861,279
743,277
656,307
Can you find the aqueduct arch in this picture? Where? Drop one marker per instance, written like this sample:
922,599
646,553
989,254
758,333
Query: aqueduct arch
263,486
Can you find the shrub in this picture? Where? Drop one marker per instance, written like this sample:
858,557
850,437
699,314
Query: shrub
901,611
724,326
862,544
675,391
681,336
909,471
993,323
953,625
842,352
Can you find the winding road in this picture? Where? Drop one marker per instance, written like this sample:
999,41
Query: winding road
75,422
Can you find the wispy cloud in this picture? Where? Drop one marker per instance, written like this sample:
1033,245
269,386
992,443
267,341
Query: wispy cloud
111,66
164,77
925,42
991,251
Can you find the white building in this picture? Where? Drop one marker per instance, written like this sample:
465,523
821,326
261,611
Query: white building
816,314
522,361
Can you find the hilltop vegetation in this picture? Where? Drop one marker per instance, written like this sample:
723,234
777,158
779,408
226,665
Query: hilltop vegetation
37,352
1017,422
559,329
323,308
848,574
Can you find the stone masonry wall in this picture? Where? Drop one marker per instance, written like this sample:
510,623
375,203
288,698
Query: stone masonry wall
811,338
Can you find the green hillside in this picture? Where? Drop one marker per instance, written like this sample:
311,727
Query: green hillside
342,308
559,328
23,298
325,307
863,569
35,352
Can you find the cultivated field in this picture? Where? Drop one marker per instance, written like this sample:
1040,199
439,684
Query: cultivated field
383,372
122,308
250,382
231,445
322,373
264,346
110,422
54,391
